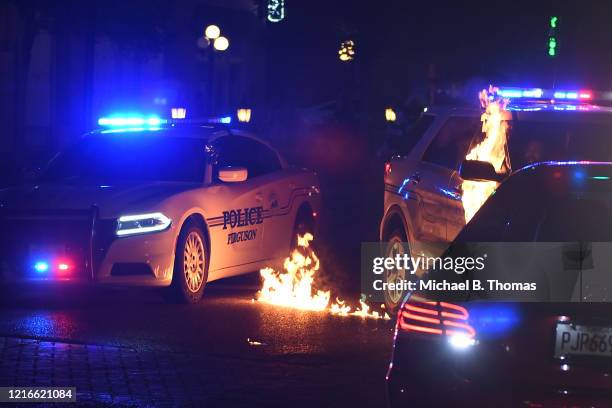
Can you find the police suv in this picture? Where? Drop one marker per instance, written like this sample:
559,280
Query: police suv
423,195
147,203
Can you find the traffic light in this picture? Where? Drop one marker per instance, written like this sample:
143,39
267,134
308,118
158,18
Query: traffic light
552,46
553,21
552,36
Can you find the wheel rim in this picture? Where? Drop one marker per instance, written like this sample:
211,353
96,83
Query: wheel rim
395,275
193,262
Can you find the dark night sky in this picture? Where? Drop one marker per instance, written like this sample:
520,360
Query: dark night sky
503,42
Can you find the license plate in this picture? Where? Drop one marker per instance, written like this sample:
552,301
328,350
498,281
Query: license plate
583,340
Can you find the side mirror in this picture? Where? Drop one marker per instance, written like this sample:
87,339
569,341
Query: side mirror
233,174
479,171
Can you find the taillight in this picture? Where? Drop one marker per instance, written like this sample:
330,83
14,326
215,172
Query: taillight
436,318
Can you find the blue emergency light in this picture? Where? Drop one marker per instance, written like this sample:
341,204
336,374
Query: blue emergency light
41,266
544,94
221,119
520,92
131,121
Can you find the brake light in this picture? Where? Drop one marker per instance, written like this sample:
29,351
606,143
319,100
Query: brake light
438,318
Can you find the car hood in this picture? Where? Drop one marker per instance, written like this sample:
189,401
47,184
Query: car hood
110,199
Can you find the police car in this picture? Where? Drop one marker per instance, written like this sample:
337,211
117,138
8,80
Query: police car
146,201
423,197
537,330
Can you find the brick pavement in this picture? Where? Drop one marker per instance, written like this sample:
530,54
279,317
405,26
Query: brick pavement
118,376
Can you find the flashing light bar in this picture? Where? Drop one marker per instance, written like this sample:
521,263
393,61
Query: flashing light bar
120,123
547,94
520,93
131,121
45,266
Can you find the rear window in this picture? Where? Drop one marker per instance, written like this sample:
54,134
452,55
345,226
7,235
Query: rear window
537,141
563,246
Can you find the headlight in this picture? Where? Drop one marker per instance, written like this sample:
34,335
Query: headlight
142,223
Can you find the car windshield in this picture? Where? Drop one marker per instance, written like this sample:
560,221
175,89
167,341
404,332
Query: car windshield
111,158
533,141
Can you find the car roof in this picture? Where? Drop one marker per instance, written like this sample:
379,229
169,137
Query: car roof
205,132
198,131
523,110
559,177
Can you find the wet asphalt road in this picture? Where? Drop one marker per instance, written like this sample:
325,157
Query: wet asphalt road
339,360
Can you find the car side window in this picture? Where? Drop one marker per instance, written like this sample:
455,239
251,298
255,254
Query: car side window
403,143
265,159
239,151
450,146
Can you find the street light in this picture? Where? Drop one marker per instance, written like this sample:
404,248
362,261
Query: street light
221,43
244,115
212,32
390,115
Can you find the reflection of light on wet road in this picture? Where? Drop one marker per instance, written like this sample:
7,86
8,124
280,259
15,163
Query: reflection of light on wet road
48,325
292,331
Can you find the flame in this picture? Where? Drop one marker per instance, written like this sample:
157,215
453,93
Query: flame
294,287
492,149
339,308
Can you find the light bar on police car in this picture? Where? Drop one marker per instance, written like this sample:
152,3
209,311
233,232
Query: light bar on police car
130,121
544,94
142,224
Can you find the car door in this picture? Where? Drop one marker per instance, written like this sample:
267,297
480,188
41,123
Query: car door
439,202
277,190
238,227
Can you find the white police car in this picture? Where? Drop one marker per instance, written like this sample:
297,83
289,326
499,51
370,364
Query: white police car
423,204
155,204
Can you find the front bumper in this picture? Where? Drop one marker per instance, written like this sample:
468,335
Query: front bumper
427,374
87,243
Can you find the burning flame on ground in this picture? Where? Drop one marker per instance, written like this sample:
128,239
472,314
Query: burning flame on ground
492,149
294,287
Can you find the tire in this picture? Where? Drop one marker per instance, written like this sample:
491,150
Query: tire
190,264
393,299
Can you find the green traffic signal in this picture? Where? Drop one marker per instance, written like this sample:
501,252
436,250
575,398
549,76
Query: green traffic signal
553,21
552,46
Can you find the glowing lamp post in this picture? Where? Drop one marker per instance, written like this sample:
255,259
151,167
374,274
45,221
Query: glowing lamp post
244,115
221,43
212,32
210,43
390,115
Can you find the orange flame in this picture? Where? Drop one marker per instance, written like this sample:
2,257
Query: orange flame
492,149
294,287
